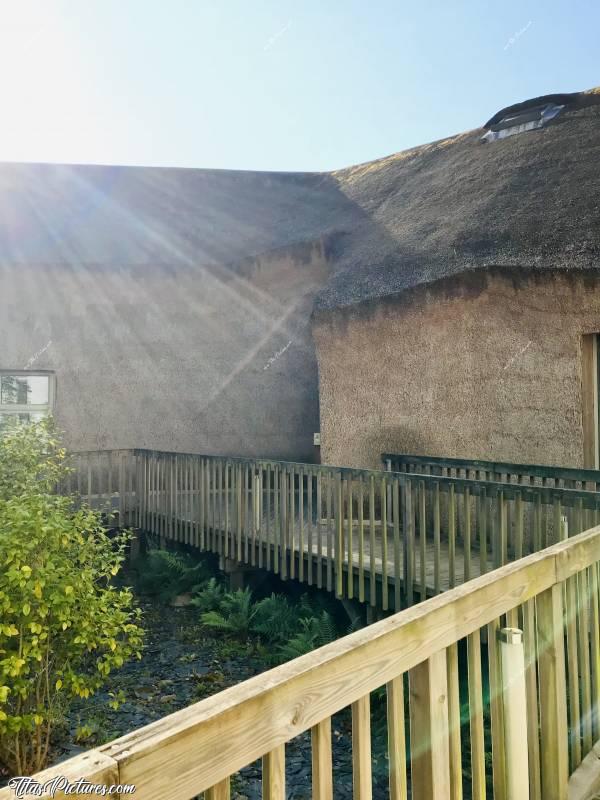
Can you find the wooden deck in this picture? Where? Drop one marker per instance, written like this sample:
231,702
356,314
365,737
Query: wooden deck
439,531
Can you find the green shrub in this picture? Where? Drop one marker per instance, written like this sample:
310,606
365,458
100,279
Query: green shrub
209,596
235,615
64,627
276,620
314,632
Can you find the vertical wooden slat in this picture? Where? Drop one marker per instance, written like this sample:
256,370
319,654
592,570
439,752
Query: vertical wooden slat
454,723
483,530
467,533
583,654
273,774
478,784
292,524
350,539
238,510
595,649
430,767
309,519
396,737
397,555
384,546
284,534
436,538
339,536
372,581
301,528
221,791
322,771
422,540
552,689
451,536
573,673
497,722
319,530
268,499
409,541
362,785
361,541
330,529
533,713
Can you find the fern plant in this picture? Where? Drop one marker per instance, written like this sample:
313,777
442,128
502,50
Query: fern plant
165,574
209,596
314,632
235,615
275,619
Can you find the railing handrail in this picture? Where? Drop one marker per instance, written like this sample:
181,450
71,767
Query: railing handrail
568,496
534,470
193,749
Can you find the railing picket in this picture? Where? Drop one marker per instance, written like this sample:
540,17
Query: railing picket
384,546
362,784
533,713
221,791
436,539
409,541
583,657
330,513
300,526
396,737
497,721
309,520
273,774
430,767
319,531
350,540
339,536
372,581
361,541
322,768
552,678
595,649
454,722
422,540
397,563
476,726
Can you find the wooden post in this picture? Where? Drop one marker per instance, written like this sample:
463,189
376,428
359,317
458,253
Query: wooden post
220,791
553,701
273,774
361,750
512,661
430,763
322,774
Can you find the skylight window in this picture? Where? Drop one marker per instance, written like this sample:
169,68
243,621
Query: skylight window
526,119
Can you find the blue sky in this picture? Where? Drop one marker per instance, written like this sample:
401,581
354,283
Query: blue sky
274,85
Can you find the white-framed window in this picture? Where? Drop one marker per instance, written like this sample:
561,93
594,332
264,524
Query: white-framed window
25,396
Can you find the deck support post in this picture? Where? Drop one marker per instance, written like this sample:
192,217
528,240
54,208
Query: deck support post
514,700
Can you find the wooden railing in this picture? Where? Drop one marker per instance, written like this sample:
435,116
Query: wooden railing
380,537
453,730
500,471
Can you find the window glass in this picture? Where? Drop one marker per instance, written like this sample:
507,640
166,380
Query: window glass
24,389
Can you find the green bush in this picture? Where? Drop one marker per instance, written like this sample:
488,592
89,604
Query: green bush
314,632
63,625
235,615
276,620
209,596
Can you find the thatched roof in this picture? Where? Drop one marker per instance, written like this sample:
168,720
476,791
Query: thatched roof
130,216
531,200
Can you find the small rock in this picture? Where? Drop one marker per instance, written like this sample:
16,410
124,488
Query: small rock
182,600
168,698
